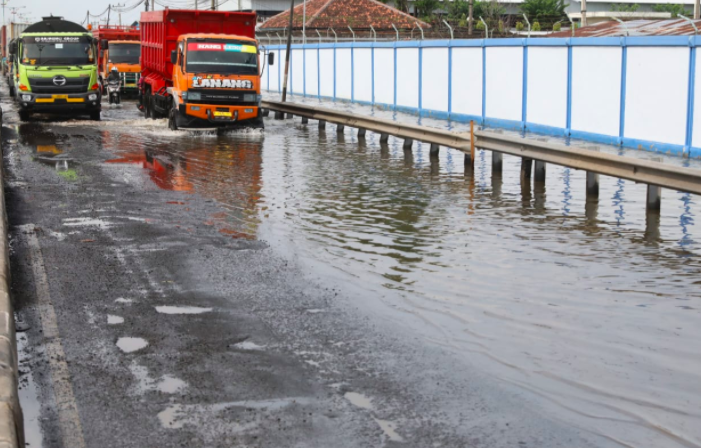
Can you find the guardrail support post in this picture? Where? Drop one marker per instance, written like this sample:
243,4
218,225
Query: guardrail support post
340,128
592,184
654,198
539,171
384,138
361,133
266,112
279,115
435,149
408,143
526,169
305,120
322,124
497,162
289,116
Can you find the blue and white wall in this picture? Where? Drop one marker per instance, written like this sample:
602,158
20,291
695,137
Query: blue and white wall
635,91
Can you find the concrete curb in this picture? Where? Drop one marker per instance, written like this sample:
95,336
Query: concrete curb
11,419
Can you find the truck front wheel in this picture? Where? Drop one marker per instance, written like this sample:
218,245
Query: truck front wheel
173,120
95,115
147,105
24,115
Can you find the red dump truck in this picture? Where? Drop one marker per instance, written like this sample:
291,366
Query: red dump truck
201,68
118,46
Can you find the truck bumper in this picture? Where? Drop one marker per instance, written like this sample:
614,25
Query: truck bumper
193,115
89,102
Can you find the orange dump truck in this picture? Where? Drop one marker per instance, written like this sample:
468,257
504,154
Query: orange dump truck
119,46
201,68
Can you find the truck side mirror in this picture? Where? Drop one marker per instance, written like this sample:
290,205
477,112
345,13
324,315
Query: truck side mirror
174,57
271,58
104,43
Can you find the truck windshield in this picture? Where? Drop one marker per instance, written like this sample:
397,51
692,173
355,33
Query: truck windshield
57,50
124,53
222,57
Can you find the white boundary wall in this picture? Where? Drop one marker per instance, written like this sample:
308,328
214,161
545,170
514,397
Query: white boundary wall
635,92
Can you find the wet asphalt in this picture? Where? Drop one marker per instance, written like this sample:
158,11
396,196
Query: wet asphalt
257,349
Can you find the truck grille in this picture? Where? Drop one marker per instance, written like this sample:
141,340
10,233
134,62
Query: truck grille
130,78
222,97
46,85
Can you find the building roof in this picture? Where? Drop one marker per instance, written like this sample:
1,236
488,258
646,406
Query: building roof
671,27
340,14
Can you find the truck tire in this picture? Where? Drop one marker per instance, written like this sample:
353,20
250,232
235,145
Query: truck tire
147,106
95,115
24,115
173,120
12,91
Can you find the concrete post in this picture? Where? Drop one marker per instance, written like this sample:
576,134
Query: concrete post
322,124
591,209
340,128
592,184
435,149
266,112
279,115
408,143
305,120
497,163
361,133
384,138
526,169
289,116
652,227
539,171
654,198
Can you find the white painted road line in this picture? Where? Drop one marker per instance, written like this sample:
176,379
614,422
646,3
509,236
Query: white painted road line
68,417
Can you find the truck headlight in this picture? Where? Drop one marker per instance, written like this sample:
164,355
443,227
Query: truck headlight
92,97
194,96
26,97
249,97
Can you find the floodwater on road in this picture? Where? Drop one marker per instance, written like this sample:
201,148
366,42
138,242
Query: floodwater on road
591,309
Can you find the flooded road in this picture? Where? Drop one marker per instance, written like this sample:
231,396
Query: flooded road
400,300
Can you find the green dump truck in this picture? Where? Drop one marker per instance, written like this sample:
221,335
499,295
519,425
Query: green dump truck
56,69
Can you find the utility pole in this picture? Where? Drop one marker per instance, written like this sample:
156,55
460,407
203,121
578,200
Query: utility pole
697,10
584,12
304,21
214,5
197,6
4,3
469,20
287,54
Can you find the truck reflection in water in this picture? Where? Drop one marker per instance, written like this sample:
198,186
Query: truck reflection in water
228,172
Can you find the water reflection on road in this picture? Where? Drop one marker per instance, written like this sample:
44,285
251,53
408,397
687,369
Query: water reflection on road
590,307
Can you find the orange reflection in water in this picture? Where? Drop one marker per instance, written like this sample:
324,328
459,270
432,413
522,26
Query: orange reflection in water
227,172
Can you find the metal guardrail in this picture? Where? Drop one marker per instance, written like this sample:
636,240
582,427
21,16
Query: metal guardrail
654,174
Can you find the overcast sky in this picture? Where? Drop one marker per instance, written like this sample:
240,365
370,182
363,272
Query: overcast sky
74,10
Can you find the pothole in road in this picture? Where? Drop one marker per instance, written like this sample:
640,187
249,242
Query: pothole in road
168,309
130,345
167,384
114,320
248,345
359,400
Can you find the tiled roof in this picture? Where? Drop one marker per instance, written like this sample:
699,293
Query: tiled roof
671,27
358,14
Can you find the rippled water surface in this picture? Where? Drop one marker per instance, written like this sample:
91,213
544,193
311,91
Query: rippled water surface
590,308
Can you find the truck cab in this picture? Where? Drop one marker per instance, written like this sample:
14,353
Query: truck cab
216,81
56,69
125,56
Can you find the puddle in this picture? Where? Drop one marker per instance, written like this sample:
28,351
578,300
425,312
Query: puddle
167,384
248,345
359,400
130,345
87,222
29,398
123,300
390,430
182,309
316,311
114,320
